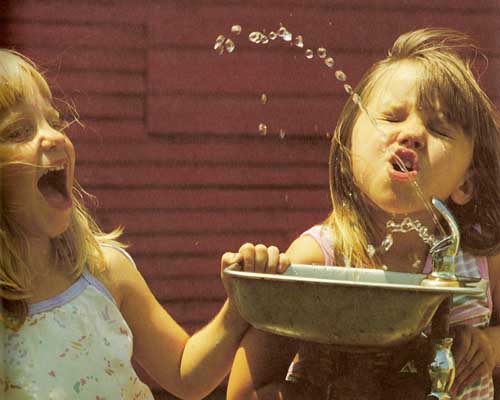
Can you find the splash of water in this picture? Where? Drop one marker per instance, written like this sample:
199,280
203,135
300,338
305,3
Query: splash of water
321,52
408,225
262,129
236,29
258,37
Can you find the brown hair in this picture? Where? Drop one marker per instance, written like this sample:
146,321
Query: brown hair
446,58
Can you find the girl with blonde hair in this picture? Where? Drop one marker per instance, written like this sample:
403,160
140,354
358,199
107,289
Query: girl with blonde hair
74,306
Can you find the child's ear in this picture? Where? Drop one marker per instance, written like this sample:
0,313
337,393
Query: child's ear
464,192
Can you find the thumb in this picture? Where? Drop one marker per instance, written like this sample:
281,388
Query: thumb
229,259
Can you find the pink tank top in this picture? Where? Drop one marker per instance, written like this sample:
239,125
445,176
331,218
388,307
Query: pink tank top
466,310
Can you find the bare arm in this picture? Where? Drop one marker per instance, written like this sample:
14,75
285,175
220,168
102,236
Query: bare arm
189,368
262,360
477,351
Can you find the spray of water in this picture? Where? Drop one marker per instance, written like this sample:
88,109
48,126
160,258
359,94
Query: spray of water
260,38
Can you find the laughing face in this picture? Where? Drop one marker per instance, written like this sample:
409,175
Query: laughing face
409,144
37,168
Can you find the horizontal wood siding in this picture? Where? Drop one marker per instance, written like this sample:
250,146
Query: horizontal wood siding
171,146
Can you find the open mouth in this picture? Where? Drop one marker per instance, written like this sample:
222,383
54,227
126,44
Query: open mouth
404,161
53,186
404,165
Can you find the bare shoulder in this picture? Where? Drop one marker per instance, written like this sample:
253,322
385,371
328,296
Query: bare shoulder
305,250
120,271
494,275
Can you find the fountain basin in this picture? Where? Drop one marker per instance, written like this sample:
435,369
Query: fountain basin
355,308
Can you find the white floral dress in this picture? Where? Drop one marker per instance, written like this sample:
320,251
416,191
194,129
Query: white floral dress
75,345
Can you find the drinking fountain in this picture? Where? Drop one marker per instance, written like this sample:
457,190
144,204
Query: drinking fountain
360,309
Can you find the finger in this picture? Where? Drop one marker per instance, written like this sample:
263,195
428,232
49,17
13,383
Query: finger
229,258
273,259
260,258
475,377
468,354
461,344
247,251
473,371
284,263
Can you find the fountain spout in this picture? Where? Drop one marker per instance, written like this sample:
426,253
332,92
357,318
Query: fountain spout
443,253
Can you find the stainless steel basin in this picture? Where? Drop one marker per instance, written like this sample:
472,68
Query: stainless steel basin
358,309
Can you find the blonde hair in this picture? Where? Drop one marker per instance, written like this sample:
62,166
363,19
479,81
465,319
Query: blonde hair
446,59
78,247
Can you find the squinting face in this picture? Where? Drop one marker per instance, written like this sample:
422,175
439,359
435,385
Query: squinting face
436,152
38,177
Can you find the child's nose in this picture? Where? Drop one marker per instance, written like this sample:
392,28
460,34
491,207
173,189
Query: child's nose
412,136
51,137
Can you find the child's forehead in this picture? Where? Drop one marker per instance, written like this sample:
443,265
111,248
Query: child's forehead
407,84
396,81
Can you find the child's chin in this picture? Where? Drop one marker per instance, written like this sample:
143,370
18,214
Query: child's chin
59,230
402,207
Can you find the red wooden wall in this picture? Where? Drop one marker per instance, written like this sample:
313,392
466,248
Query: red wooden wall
171,146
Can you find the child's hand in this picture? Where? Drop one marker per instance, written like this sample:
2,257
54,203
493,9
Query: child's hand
257,258
474,356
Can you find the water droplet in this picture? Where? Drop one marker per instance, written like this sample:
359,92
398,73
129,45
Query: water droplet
356,98
219,44
348,89
236,29
347,262
263,98
371,250
282,31
287,37
340,75
255,37
262,129
282,133
309,54
329,62
219,48
229,44
417,263
264,39
299,41
273,35
387,242
220,39
321,52
328,134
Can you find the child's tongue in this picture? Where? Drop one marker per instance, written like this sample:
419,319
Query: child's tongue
53,193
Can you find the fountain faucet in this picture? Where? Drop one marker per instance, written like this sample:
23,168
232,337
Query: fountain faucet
443,252
442,367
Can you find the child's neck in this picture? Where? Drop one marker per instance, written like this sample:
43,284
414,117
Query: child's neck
48,278
41,256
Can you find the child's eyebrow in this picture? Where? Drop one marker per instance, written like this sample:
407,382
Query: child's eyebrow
9,119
